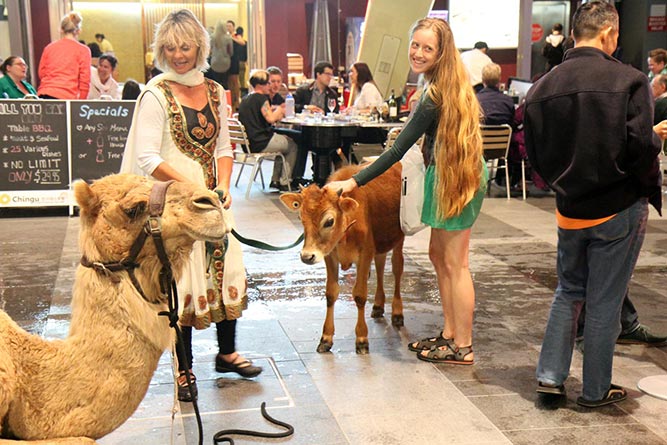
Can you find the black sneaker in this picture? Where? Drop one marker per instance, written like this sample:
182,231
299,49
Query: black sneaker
641,336
300,182
278,186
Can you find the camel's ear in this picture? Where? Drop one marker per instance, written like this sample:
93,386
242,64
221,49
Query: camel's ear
292,201
348,204
86,198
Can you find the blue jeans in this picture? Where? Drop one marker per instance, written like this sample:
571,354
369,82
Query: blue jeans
594,266
629,318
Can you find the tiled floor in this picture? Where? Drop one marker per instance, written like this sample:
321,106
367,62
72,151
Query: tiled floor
388,396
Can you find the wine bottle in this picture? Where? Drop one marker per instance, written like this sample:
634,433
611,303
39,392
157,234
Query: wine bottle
393,108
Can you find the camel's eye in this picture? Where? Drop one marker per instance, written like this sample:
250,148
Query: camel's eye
136,211
328,223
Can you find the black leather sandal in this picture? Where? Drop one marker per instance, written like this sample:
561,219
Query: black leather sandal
183,389
244,368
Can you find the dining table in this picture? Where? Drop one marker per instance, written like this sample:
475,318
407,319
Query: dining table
325,134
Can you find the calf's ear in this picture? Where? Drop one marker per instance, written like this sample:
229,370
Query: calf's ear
348,204
292,201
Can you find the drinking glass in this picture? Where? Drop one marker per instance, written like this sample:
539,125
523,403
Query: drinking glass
331,104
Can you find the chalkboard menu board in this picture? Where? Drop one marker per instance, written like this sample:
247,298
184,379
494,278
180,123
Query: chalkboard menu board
98,131
33,143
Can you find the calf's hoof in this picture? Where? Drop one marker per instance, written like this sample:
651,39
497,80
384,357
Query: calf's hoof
324,346
377,311
397,320
362,347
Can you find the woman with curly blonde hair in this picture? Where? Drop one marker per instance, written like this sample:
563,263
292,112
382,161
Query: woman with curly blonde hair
448,117
179,132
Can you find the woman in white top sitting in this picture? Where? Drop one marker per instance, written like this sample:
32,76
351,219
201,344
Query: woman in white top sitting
102,82
365,96
364,91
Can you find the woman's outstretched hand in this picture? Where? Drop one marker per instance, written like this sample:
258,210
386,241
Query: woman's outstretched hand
344,186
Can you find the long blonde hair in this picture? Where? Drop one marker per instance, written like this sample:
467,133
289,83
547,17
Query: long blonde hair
458,141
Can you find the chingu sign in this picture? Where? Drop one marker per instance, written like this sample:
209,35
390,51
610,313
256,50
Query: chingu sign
45,145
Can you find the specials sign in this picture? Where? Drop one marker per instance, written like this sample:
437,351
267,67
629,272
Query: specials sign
46,144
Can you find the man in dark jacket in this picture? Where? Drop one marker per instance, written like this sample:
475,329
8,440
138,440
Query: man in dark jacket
315,95
498,107
588,131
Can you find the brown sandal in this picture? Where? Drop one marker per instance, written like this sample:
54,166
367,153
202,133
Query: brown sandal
451,354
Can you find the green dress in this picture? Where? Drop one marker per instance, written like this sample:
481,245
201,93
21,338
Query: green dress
424,121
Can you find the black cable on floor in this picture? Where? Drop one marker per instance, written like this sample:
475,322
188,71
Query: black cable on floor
219,437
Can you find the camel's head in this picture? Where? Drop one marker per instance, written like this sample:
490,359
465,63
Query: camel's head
114,210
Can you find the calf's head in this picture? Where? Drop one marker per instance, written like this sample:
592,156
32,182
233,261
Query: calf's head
325,215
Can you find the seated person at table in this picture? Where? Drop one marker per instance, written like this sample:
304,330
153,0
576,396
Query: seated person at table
659,87
539,188
256,115
131,90
365,93
498,110
13,84
275,85
498,107
102,82
315,95
276,99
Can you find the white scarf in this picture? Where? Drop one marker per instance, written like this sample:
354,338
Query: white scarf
192,78
97,84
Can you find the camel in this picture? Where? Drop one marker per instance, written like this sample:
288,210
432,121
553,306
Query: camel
76,390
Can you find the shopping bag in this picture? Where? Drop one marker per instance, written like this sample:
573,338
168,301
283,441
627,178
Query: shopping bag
412,190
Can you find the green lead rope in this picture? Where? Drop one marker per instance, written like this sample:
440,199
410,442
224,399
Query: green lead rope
260,244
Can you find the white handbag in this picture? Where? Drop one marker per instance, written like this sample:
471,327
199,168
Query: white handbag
412,190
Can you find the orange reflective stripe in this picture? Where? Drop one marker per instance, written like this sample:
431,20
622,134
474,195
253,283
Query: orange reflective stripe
576,224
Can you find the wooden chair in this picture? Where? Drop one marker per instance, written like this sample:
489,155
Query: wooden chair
496,144
243,155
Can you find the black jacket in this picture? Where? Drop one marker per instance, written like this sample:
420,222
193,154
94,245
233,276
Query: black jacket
589,134
498,107
304,94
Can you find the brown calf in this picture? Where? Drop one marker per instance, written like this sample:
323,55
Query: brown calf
353,229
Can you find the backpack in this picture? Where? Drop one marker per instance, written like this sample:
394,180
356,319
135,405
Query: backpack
553,54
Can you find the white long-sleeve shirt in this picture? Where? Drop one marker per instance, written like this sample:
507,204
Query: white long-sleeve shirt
368,97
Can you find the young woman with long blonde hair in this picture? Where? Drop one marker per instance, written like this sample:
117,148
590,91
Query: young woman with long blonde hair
448,117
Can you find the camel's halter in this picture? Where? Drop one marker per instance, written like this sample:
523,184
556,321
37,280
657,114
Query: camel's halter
153,228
